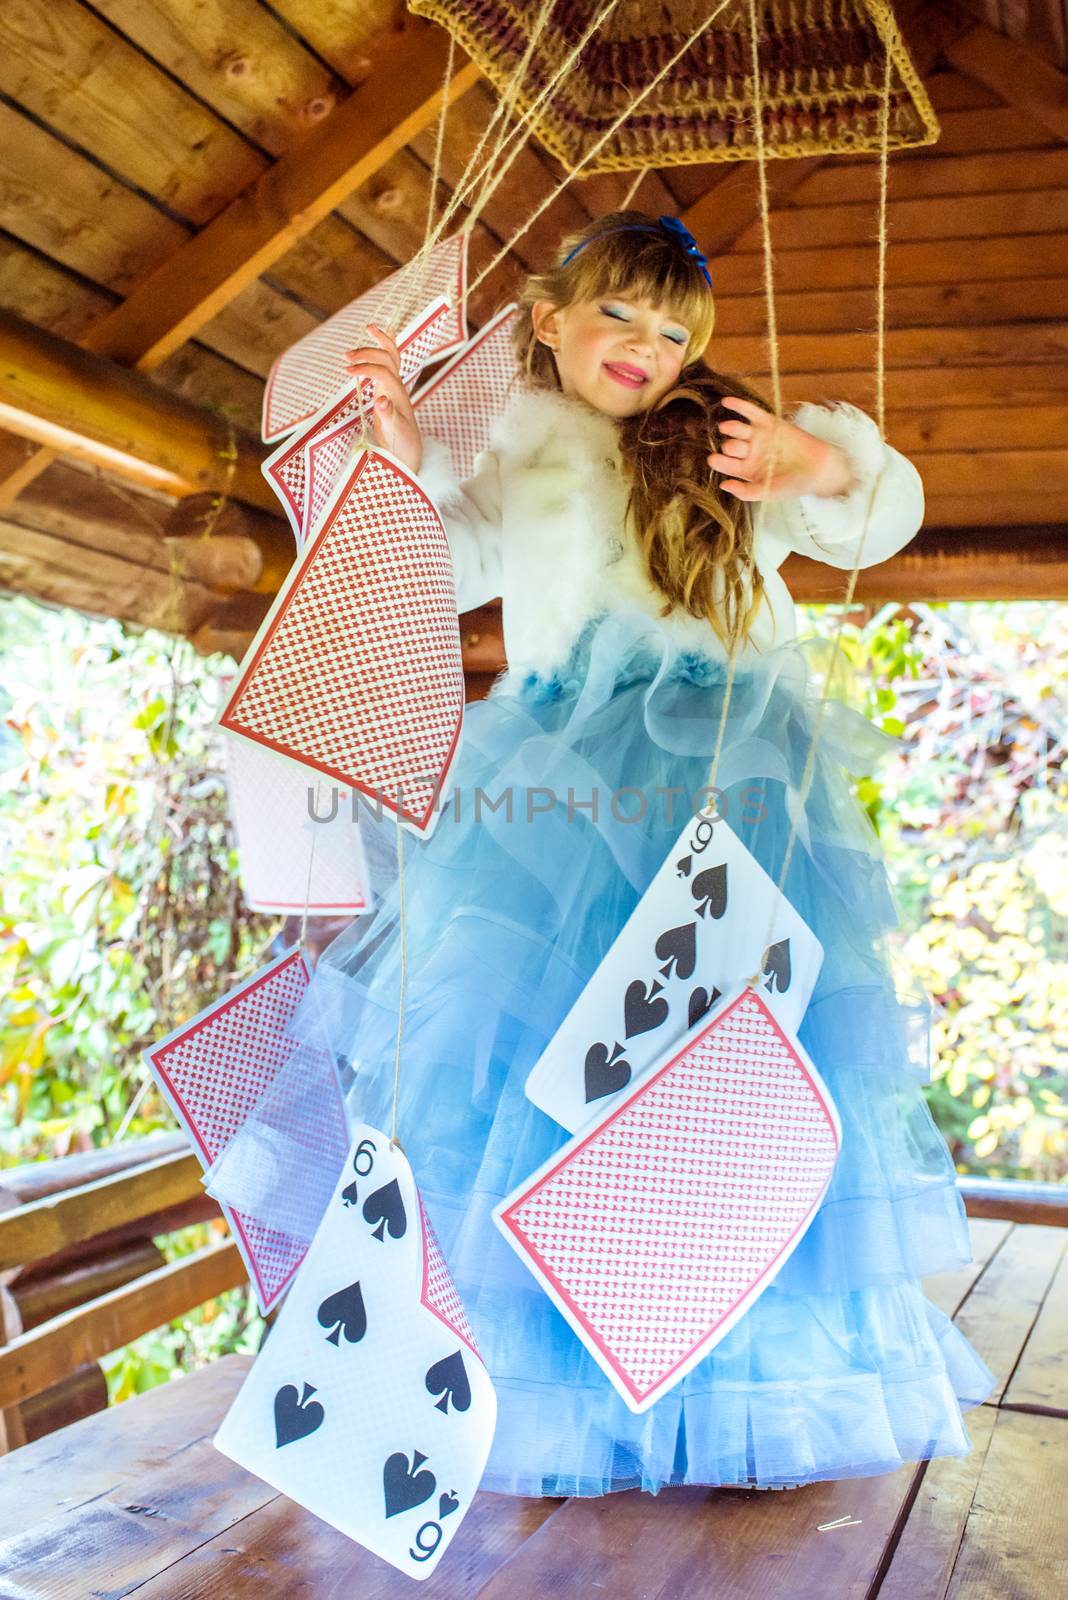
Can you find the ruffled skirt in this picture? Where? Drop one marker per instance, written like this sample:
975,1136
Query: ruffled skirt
841,1367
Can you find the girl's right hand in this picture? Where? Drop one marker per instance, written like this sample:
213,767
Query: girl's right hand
393,424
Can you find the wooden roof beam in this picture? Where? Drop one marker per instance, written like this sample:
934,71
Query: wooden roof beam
82,405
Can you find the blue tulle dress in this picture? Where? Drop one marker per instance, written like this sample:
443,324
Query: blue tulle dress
842,1367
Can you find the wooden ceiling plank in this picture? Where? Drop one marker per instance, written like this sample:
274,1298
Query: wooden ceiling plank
55,200
963,132
257,228
979,427
526,185
199,375
238,58
928,387
992,510
723,217
1006,472
255,325
1020,77
330,266
954,91
80,77
937,217
937,261
79,404
907,306
347,36
980,173
985,346
44,293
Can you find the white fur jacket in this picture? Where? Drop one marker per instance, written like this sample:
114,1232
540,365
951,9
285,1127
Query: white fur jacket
541,523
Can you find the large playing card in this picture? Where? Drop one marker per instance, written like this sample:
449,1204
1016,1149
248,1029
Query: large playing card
340,419
459,403
655,1229
356,671
214,1069
312,371
298,839
369,1403
701,928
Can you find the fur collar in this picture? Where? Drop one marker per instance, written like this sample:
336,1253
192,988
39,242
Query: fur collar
543,426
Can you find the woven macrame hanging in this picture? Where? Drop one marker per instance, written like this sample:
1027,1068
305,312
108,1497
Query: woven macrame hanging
822,66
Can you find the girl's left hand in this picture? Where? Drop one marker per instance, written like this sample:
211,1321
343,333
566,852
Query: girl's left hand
800,463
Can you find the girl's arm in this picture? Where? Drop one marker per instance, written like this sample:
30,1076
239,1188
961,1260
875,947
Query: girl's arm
829,528
824,479
471,512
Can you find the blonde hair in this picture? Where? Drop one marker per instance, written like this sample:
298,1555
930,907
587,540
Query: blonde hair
688,531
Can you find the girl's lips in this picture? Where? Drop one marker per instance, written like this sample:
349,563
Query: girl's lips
627,379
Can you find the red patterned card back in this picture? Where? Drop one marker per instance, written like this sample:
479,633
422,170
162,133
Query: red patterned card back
656,1229
312,371
214,1068
459,404
356,671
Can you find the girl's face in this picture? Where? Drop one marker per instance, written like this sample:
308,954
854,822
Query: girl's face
619,355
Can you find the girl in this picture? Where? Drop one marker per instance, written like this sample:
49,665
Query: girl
626,514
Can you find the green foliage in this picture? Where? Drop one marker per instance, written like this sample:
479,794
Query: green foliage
973,815
122,912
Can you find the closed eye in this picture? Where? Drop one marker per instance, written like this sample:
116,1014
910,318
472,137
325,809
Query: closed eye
618,317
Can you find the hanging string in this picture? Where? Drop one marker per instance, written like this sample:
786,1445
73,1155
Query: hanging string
880,383
599,143
506,105
403,933
466,184
302,942
476,172
624,204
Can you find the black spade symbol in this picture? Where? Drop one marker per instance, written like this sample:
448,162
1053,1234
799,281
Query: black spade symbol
386,1208
295,1416
709,889
448,1377
605,1073
777,966
640,1010
700,1002
350,1195
678,947
345,1313
447,1502
406,1486
683,866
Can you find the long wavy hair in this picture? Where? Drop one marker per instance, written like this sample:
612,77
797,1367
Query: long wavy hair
697,542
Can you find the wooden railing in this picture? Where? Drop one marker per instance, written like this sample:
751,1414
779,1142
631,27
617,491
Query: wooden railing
81,1275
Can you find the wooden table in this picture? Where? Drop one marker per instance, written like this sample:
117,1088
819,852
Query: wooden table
137,1501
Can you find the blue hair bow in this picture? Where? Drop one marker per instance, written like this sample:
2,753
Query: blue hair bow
685,238
678,231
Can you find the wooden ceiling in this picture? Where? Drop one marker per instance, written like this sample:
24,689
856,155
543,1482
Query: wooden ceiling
186,186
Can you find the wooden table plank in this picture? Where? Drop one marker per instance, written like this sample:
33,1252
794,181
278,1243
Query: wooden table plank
1000,1311
112,1543
95,1455
1015,1544
694,1542
1040,1380
283,1550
